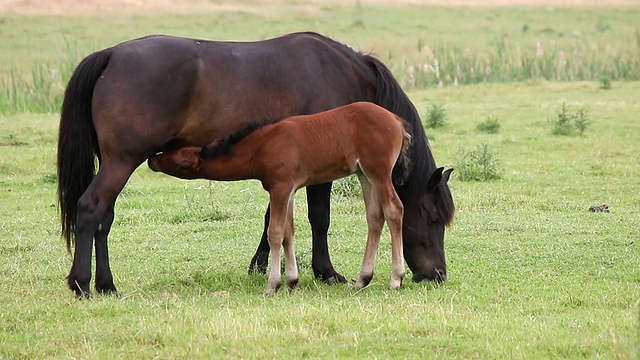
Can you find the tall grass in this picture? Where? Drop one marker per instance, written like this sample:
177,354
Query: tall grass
430,63
41,89
509,61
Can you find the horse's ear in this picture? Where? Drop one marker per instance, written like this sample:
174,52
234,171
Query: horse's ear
435,179
446,175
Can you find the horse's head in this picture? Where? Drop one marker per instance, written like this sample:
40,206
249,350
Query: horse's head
183,163
426,216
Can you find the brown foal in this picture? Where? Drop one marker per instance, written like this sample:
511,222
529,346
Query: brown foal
361,138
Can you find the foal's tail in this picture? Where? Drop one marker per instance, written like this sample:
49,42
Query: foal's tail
77,141
402,168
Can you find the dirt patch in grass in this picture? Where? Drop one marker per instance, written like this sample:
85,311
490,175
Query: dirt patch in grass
92,7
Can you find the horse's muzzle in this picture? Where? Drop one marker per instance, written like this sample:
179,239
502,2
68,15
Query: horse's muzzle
437,275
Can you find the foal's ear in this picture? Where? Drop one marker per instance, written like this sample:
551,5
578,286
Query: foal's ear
435,179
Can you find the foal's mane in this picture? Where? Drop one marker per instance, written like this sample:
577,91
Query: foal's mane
225,145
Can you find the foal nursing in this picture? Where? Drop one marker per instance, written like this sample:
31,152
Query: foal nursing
361,138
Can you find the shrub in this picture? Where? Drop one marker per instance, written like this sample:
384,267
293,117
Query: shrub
348,187
562,122
436,116
479,164
489,126
567,123
581,121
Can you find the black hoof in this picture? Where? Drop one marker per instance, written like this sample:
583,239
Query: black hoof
330,277
366,280
292,284
259,263
82,291
106,288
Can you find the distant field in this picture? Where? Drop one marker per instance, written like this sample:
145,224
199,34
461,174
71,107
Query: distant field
532,273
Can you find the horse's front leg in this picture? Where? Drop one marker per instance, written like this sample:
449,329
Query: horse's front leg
260,260
104,278
319,202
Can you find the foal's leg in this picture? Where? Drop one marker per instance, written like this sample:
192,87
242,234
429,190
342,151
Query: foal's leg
278,201
375,221
104,278
393,212
290,266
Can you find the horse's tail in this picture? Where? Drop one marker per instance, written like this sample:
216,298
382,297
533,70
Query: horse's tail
77,141
402,168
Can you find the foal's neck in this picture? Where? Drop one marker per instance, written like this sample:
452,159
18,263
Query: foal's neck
239,163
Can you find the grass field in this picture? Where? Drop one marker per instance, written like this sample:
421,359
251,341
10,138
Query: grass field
532,273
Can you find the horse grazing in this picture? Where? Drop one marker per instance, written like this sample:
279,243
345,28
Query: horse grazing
127,102
361,138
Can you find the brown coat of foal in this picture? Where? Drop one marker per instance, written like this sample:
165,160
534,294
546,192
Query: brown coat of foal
360,138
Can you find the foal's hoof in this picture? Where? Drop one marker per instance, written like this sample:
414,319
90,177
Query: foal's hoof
271,290
291,284
259,263
363,281
395,285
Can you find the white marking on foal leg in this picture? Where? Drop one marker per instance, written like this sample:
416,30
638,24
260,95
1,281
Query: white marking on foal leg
290,266
274,275
393,211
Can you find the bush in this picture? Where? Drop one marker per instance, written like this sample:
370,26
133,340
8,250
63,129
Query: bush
567,123
436,116
348,187
480,164
489,126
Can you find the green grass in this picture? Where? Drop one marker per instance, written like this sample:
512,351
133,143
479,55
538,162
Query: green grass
532,273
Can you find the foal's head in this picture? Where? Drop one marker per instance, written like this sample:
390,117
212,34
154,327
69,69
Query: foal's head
183,163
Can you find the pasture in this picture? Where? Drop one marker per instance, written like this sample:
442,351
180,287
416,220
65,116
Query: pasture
531,273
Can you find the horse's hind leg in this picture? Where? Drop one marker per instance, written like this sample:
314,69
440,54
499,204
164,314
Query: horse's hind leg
290,265
93,206
104,278
393,212
375,222
319,203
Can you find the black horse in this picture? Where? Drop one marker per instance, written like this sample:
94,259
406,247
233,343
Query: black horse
130,101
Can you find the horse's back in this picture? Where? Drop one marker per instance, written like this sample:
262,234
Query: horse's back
197,90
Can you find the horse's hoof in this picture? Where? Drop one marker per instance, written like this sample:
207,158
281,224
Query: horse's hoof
82,292
395,285
363,281
271,290
106,287
291,284
330,277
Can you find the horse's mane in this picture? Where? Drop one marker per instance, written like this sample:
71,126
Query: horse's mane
390,95
225,145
